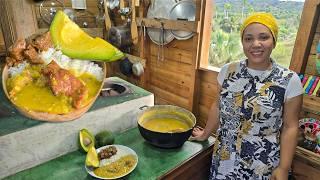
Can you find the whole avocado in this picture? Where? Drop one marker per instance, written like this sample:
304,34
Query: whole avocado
104,138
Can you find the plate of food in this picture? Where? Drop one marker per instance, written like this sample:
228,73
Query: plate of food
115,161
48,85
57,75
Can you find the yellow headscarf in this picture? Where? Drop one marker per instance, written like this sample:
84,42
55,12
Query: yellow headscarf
263,18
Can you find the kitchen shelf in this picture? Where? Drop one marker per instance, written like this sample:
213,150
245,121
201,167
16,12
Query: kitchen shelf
311,104
181,25
307,156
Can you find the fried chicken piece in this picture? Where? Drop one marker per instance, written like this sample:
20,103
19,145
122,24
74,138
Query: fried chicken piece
10,61
32,55
62,82
16,50
43,42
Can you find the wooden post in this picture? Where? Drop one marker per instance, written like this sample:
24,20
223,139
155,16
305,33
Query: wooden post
17,19
309,18
194,94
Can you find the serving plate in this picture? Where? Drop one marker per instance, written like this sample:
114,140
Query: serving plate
121,151
44,116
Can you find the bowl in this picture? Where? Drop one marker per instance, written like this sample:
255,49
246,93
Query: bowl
44,116
166,126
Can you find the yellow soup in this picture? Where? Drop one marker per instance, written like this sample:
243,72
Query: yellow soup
32,93
166,125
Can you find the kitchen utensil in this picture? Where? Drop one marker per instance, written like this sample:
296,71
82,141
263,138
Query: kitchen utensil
161,44
107,17
119,36
112,4
121,152
159,9
183,10
137,69
171,139
142,34
134,28
122,5
126,67
49,8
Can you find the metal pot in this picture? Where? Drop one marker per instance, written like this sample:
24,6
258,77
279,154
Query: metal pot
120,36
172,139
183,10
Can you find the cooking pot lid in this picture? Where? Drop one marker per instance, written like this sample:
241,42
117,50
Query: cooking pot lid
183,10
160,9
154,34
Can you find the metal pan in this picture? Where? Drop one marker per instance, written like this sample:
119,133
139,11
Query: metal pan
160,9
183,10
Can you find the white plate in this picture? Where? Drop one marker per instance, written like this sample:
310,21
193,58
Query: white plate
121,151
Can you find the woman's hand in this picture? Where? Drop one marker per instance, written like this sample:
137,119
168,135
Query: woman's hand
198,134
279,174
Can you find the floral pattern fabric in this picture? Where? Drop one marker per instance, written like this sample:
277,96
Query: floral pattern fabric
251,108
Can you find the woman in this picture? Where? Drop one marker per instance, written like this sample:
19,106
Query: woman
257,110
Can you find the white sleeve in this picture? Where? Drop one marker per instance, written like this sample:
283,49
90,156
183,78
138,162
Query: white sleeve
222,73
294,87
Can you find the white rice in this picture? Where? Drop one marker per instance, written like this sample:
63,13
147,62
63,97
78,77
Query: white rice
120,153
13,71
78,66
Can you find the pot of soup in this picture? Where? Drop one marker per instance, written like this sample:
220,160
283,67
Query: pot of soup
166,126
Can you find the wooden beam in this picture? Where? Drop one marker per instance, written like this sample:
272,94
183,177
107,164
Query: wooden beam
307,28
169,24
196,54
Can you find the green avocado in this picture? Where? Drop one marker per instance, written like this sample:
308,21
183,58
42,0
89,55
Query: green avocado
76,43
104,138
86,139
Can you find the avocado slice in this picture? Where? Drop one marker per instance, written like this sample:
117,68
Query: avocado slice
104,138
75,43
86,139
92,158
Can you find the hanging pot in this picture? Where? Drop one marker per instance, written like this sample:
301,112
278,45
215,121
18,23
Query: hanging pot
183,10
166,126
160,9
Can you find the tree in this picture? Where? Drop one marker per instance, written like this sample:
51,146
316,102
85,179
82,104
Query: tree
244,4
227,7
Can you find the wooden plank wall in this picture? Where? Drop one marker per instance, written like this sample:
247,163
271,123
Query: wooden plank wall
171,79
2,45
207,94
311,62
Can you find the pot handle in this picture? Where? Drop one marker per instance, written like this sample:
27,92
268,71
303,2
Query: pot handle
143,107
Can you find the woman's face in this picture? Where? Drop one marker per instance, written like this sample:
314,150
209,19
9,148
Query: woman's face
258,43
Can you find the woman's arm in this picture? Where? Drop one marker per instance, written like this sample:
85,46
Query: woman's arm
288,137
289,133
212,123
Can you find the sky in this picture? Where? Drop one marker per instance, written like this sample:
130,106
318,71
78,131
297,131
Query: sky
294,0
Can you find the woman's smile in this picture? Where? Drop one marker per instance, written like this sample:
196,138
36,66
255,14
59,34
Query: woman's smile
258,43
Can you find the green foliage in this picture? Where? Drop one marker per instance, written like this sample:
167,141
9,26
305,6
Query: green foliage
225,47
282,53
225,36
